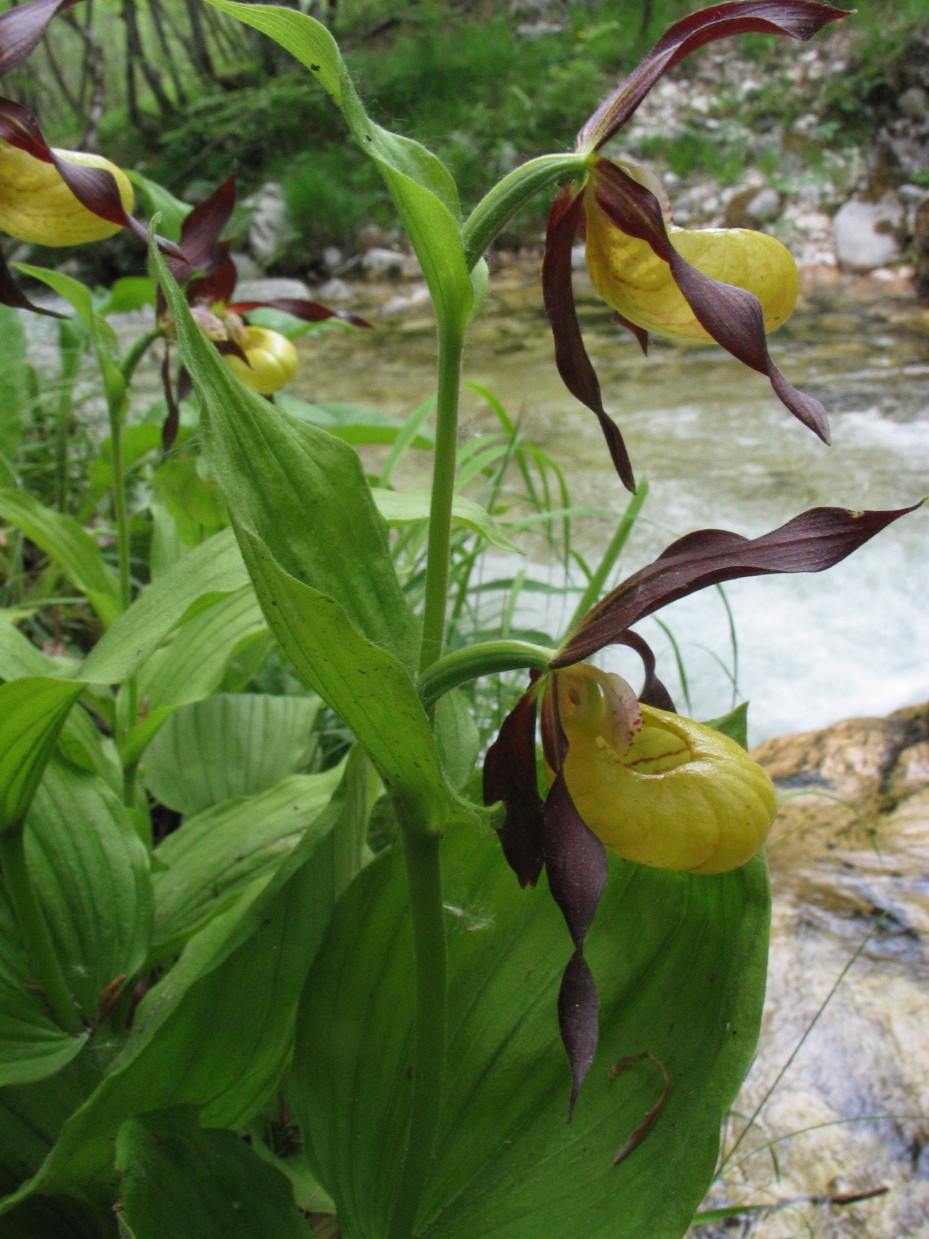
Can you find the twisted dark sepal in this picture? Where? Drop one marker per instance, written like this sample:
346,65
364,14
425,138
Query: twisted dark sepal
574,365
811,542
797,19
575,861
510,776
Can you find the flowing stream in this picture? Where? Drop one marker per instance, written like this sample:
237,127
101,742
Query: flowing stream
718,450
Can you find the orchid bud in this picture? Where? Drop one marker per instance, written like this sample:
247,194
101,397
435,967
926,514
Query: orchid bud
629,275
271,359
37,206
657,788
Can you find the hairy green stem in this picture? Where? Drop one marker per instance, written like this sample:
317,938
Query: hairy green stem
498,207
424,879
594,590
443,494
62,436
487,658
35,932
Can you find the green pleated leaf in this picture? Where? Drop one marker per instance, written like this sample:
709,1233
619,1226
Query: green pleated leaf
69,545
91,873
680,967
31,1118
32,713
32,1045
240,979
300,490
229,848
204,575
195,502
403,507
231,744
20,658
191,664
182,1182
363,683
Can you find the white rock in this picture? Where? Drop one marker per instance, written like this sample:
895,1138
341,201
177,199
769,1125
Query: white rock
269,289
335,291
866,232
382,263
765,206
269,228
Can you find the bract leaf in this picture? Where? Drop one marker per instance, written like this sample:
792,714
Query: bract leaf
366,686
420,184
299,489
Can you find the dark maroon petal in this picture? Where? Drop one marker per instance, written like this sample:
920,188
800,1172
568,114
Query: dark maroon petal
732,316
308,311
11,294
172,421
510,776
578,1020
571,357
811,542
639,332
219,284
203,227
798,19
653,692
576,865
96,188
22,27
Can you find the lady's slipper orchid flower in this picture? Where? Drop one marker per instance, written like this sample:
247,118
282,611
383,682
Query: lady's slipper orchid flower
261,358
270,359
36,205
48,196
625,770
726,285
654,787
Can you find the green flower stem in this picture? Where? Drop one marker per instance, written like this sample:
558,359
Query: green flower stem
443,494
115,413
424,880
594,590
70,360
137,351
498,207
35,932
488,658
